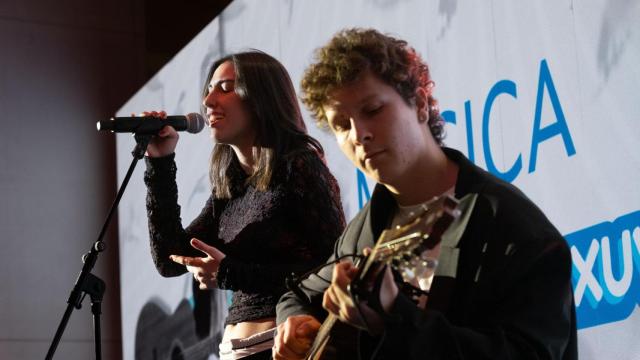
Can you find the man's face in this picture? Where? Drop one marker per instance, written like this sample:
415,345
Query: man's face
376,129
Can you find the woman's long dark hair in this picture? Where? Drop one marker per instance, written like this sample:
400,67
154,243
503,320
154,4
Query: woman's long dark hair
266,90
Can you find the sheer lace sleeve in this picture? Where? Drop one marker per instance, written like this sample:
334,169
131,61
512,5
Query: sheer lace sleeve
167,236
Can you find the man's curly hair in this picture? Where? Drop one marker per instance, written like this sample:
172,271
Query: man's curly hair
352,51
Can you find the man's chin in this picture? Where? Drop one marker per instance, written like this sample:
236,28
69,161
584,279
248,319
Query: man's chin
375,175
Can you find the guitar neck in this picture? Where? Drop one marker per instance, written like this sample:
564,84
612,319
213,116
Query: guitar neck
322,337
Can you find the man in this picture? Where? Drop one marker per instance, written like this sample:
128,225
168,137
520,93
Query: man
503,286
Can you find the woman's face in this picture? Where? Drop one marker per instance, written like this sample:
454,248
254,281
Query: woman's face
227,115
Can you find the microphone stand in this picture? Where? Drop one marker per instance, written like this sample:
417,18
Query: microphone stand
87,283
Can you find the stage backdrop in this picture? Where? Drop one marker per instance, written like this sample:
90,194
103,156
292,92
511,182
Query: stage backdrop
543,94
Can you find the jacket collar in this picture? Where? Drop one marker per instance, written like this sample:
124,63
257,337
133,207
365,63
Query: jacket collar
383,205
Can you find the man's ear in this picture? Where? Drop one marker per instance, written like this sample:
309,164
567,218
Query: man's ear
422,104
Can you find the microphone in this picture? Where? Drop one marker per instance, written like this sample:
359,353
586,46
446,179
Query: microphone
150,125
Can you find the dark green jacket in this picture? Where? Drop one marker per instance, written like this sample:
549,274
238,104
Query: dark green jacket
510,296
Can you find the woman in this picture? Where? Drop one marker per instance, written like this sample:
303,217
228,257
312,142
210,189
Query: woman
274,208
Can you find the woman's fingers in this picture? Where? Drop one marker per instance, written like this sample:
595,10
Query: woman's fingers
187,260
210,251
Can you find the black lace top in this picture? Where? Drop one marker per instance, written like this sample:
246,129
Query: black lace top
291,227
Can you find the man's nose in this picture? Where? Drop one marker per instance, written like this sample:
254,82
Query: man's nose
360,131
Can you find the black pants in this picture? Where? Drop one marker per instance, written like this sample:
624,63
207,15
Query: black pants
262,355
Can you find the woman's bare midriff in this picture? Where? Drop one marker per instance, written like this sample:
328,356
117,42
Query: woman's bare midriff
247,328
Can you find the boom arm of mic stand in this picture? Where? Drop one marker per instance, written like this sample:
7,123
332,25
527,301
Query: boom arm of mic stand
88,283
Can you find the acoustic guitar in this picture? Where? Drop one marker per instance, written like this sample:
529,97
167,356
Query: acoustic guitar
406,249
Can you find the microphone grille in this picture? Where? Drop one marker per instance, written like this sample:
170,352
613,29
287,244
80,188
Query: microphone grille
195,123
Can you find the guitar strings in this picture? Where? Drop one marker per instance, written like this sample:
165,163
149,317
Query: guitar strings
294,282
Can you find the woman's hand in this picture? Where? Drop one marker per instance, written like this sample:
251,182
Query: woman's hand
204,269
164,143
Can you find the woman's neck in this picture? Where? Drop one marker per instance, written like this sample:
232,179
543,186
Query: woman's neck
245,157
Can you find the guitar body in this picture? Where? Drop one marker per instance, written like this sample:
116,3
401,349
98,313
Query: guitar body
161,335
164,336
340,344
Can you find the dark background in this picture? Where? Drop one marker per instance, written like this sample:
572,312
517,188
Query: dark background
63,66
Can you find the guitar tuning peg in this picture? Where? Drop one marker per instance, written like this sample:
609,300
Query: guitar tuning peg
395,263
408,275
417,252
